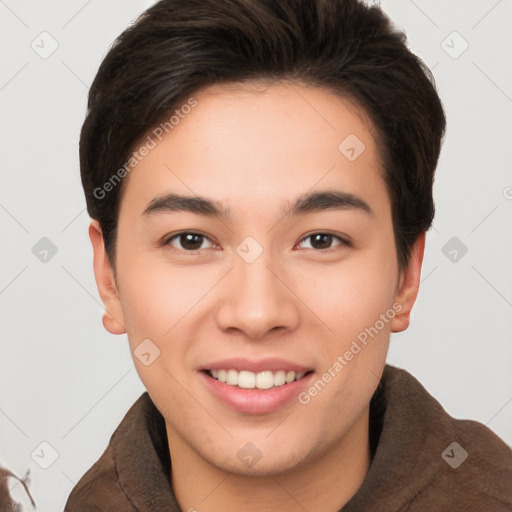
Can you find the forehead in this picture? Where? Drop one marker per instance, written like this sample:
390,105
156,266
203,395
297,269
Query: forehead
279,114
258,142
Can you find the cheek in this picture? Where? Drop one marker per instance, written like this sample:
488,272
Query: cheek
157,306
358,304
349,297
156,297
163,303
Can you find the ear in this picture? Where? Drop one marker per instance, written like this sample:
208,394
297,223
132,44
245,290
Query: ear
113,319
408,286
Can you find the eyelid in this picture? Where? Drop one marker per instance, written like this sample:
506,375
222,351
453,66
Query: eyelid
167,238
345,240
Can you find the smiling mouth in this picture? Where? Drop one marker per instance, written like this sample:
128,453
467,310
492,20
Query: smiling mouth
262,380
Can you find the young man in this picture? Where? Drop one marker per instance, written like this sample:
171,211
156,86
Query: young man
259,174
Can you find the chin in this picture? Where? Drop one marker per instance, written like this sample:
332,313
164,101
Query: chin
262,468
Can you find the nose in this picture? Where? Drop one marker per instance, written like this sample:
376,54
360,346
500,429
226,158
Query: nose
258,299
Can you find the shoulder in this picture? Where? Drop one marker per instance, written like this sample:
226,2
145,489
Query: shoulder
476,468
99,489
461,463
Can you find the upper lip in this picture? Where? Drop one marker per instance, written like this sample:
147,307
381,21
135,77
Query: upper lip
256,366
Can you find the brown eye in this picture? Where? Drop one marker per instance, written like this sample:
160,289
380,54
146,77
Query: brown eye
323,241
187,241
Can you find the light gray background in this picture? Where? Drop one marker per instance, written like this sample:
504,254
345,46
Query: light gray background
67,382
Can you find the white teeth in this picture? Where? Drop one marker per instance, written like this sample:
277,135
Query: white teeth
246,380
250,380
232,377
264,380
279,378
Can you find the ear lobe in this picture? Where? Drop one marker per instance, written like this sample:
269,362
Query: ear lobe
409,286
113,319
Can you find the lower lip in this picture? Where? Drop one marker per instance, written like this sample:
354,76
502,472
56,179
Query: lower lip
255,401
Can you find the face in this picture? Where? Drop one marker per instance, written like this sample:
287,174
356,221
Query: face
281,273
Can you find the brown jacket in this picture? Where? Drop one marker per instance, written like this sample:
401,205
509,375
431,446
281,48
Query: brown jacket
423,460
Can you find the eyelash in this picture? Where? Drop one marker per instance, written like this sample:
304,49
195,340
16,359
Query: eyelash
344,242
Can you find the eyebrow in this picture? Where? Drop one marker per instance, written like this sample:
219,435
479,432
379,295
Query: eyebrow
307,203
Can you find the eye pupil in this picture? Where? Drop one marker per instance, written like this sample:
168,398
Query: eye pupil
327,240
186,241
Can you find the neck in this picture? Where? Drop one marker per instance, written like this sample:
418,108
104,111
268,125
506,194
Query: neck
325,483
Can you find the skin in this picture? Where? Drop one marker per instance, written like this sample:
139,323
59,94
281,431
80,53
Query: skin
256,150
